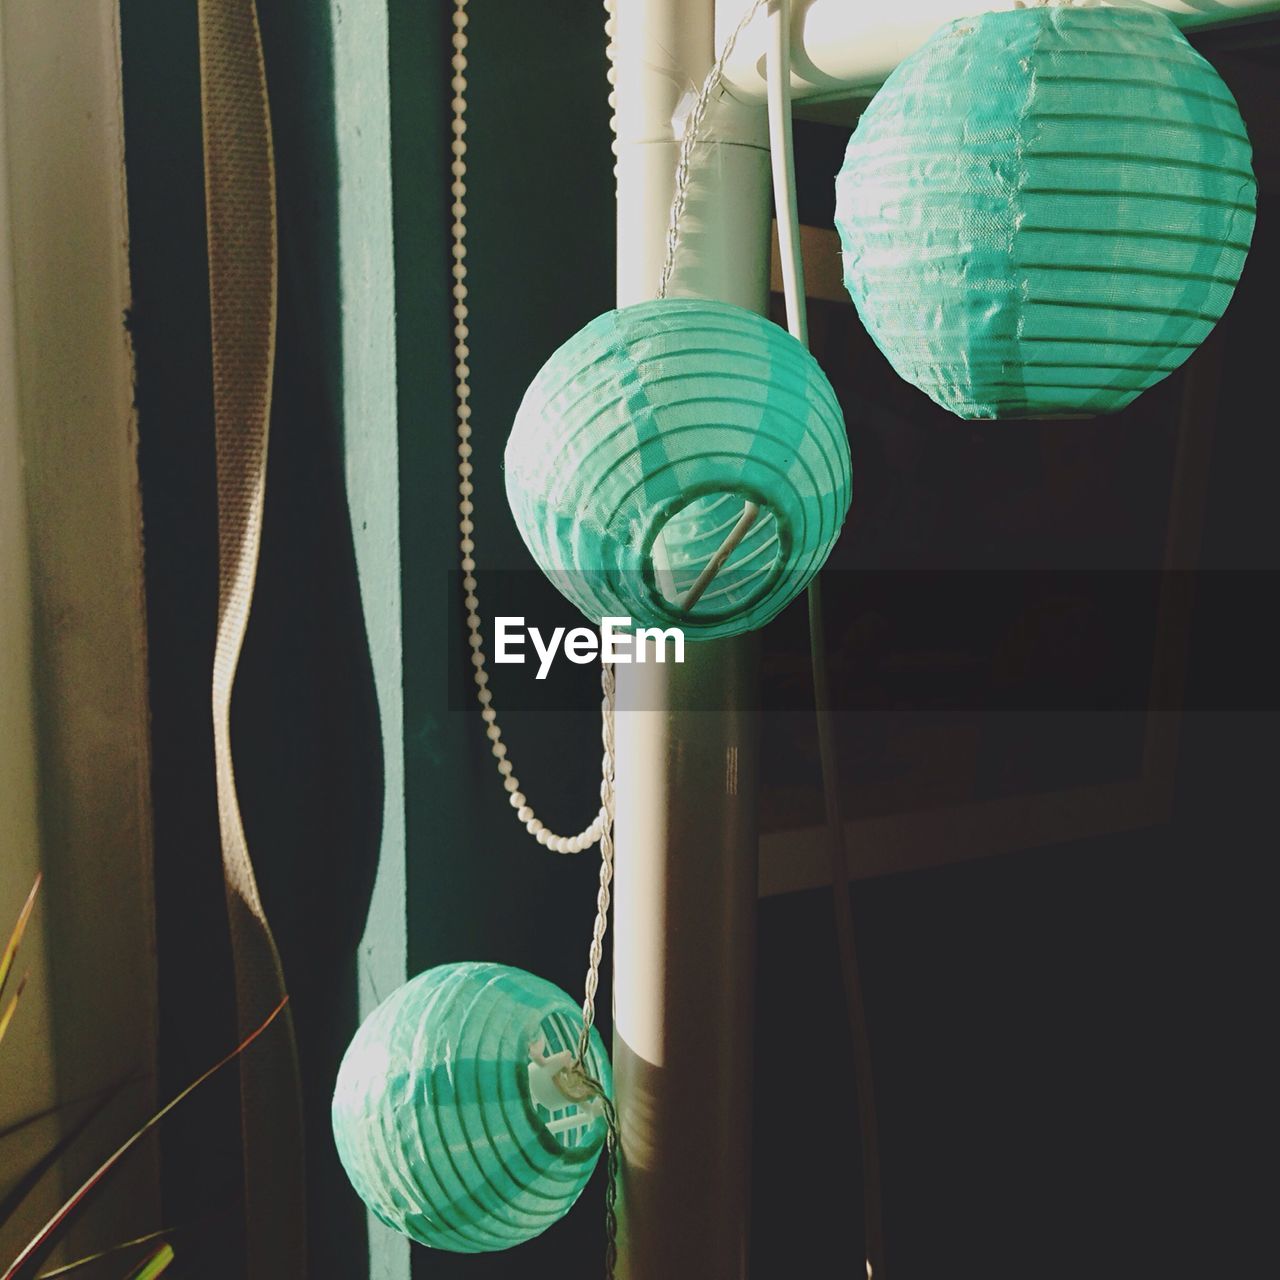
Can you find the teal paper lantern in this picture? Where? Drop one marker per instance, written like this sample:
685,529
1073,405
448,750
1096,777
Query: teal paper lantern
638,444
448,1115
1045,211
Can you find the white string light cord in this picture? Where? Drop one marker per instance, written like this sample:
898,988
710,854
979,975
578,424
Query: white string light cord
784,198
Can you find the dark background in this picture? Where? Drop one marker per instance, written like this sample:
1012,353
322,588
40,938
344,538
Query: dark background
1069,1043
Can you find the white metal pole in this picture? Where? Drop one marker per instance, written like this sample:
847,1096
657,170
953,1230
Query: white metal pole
686,734
843,49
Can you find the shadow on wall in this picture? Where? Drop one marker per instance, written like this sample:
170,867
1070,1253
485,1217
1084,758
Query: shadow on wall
305,720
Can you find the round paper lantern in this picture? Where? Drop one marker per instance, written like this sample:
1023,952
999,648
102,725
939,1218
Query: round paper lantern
448,1115
638,444
1045,211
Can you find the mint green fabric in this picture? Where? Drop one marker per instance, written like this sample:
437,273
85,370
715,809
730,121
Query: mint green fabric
1045,211
637,444
434,1118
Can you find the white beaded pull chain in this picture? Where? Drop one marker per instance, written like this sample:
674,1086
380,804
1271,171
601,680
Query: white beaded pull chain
589,835
601,829
525,814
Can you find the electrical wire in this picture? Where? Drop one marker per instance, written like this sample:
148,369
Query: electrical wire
782,157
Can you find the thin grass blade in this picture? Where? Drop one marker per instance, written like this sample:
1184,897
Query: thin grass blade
16,1194
25,1264
90,1258
15,938
191,1231
156,1263
58,1108
7,1016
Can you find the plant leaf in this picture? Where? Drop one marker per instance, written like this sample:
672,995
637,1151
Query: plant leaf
200,1225
26,1184
7,1016
58,1108
24,1265
15,938
156,1262
67,1267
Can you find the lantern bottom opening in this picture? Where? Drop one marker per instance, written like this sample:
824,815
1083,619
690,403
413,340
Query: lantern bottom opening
685,540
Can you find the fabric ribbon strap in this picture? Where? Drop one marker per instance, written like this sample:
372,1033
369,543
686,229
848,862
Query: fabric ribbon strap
240,204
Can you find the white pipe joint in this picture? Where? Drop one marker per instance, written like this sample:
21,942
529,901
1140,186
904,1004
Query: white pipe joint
841,49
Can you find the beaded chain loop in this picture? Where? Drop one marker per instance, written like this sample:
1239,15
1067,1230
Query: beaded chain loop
525,814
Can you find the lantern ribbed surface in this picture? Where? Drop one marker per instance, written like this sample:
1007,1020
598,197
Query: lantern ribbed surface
1045,211
637,445
435,1118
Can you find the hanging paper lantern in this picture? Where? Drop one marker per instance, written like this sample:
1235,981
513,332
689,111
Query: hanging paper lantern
448,1115
638,444
1045,211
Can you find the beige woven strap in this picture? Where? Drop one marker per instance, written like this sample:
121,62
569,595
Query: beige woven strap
241,213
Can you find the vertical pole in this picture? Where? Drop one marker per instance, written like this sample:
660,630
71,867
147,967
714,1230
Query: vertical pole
686,734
